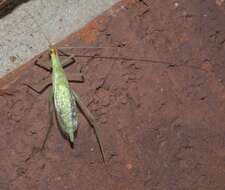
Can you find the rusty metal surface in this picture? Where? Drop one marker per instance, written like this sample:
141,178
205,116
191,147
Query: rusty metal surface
162,122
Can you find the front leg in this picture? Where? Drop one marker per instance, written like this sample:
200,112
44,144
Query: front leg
46,65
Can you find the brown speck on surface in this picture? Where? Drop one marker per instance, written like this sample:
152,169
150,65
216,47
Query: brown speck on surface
12,59
129,166
206,67
219,2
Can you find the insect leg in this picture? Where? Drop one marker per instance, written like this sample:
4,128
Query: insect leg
51,113
46,65
39,87
91,121
76,77
69,60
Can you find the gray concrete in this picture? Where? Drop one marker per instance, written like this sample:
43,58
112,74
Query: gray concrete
20,35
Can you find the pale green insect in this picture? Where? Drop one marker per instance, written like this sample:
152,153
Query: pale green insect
64,99
66,102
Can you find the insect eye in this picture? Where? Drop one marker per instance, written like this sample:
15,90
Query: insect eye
51,51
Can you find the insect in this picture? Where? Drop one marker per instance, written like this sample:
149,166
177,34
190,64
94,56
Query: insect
65,101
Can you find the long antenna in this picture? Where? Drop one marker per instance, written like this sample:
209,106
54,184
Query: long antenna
41,29
85,47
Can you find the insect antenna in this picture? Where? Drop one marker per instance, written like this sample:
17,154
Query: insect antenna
40,29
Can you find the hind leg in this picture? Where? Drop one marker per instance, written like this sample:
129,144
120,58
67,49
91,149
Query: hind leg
88,115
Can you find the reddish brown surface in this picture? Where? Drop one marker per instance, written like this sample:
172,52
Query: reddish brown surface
162,124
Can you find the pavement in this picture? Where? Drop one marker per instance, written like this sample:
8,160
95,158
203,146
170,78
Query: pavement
23,32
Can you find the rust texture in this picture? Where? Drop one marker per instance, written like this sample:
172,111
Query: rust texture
161,121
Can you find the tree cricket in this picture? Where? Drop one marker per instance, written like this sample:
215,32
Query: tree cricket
65,102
